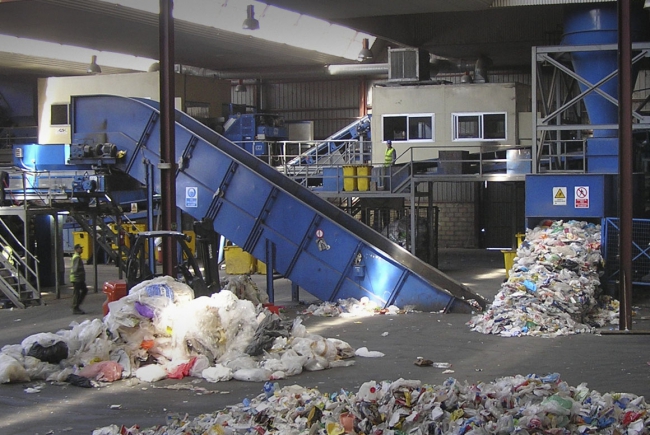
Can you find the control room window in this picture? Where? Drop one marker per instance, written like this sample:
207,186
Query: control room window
404,128
59,114
479,126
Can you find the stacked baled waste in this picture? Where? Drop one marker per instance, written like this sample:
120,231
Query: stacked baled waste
161,331
519,404
553,287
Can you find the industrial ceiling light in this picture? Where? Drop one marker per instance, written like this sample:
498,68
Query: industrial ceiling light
250,23
93,68
241,87
365,54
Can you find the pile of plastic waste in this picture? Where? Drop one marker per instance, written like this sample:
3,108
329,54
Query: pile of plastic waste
517,404
160,331
554,286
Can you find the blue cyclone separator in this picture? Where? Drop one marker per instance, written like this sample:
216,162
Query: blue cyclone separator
316,245
592,24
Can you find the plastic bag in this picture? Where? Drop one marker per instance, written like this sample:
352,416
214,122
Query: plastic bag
45,339
217,373
151,373
252,375
53,354
105,371
364,352
200,364
37,369
181,370
267,331
293,362
79,381
12,370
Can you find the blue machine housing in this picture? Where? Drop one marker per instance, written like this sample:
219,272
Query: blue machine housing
250,129
602,201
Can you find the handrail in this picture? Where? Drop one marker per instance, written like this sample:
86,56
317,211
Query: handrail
561,153
29,187
19,259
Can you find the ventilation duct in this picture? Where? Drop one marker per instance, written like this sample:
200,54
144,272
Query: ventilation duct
408,65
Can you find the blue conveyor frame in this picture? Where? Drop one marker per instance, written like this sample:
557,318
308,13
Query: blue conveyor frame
263,211
334,143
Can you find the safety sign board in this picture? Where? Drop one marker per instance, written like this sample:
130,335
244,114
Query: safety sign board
191,197
582,197
559,196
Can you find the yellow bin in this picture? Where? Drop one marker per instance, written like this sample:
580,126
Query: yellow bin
363,180
509,260
520,238
82,238
261,267
238,261
349,178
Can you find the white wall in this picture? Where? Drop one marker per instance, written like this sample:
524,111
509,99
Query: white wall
443,101
58,90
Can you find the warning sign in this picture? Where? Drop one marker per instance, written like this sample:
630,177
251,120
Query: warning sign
582,197
559,196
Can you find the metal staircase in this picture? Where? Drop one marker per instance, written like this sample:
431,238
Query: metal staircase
104,238
19,281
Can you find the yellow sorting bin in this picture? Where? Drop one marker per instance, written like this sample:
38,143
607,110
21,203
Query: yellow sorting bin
238,261
363,178
520,238
349,178
261,267
509,260
82,238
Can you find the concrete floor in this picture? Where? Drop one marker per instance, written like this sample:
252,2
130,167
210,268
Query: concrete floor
606,362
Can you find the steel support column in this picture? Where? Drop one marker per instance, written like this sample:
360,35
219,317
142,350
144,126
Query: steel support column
167,133
625,162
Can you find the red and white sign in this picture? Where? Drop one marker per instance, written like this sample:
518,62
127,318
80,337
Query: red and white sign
582,197
319,233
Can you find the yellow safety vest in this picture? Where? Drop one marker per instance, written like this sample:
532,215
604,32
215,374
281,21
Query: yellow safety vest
389,157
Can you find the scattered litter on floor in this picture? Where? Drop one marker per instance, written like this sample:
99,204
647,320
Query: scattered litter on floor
553,287
514,404
364,352
352,307
160,331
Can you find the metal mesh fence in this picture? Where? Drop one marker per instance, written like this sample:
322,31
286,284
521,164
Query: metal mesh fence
640,250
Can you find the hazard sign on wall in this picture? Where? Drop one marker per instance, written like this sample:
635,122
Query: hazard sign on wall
582,197
559,196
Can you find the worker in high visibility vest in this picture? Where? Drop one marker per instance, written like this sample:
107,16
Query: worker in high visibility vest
390,156
389,160
78,280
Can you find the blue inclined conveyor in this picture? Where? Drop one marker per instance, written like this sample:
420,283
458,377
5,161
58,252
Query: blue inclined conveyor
334,143
314,244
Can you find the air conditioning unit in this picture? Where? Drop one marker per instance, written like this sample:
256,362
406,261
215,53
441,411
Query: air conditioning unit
408,65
